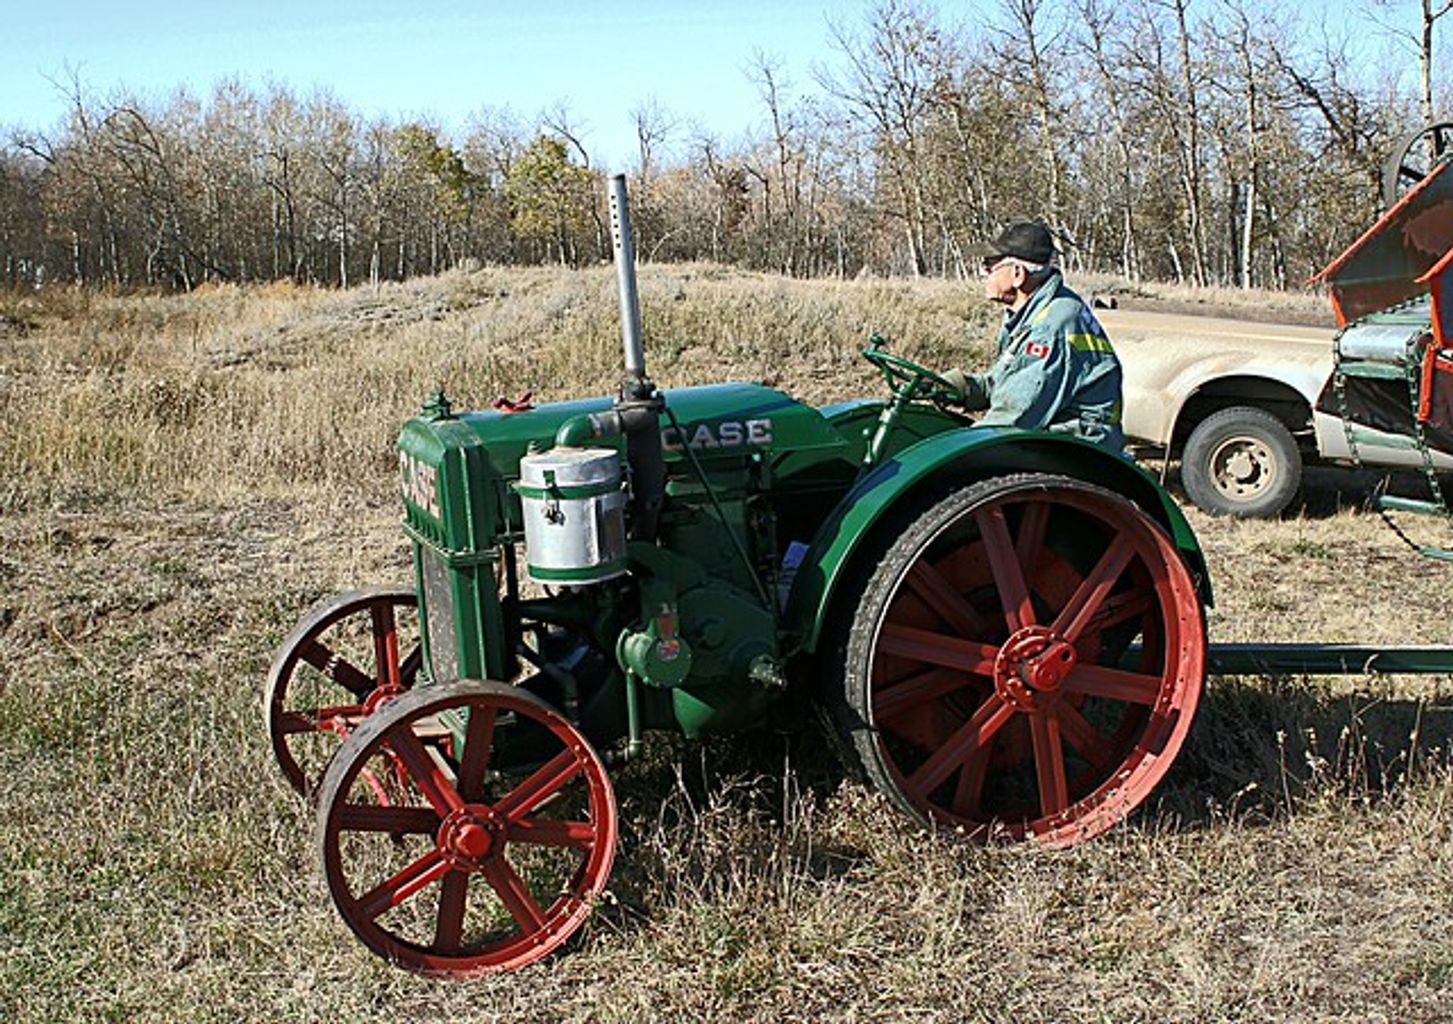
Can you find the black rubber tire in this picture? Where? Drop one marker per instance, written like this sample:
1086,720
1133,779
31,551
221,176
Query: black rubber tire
1242,462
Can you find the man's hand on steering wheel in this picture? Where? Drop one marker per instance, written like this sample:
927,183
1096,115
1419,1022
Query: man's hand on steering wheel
909,380
971,393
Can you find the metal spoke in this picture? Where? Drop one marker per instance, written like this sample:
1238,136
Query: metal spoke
1093,589
319,719
402,820
404,884
546,780
1008,576
449,927
917,690
1031,535
385,645
951,606
1084,737
1120,608
936,649
1049,764
970,789
409,667
549,832
511,889
478,739
426,773
336,667
1098,681
972,735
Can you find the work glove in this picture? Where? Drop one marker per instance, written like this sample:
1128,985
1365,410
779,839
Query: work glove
973,396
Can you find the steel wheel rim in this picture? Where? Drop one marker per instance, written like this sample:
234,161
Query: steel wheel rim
1238,460
953,717
304,738
461,863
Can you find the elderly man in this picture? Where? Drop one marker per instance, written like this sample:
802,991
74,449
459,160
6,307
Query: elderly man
1055,368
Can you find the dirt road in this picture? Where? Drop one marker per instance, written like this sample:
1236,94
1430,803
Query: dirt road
1140,325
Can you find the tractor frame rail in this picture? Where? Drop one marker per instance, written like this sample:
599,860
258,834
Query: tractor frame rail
1326,659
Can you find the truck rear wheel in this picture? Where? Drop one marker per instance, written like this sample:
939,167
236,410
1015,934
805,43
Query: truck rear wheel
1241,461
1023,660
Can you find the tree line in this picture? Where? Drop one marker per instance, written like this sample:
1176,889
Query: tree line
1206,141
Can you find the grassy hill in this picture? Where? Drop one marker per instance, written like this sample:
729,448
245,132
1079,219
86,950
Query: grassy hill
181,477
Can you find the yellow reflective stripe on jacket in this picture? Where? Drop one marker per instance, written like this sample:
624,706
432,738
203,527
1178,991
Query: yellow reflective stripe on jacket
1088,343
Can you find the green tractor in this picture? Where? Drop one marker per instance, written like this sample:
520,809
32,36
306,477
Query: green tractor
1003,632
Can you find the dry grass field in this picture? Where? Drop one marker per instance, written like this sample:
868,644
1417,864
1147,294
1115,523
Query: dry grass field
181,477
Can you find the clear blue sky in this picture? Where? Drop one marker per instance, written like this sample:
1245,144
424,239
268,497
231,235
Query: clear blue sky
444,59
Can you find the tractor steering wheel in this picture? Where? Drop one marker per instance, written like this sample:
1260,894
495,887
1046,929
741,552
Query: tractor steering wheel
906,379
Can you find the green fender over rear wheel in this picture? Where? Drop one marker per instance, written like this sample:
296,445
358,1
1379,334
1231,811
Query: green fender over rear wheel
962,456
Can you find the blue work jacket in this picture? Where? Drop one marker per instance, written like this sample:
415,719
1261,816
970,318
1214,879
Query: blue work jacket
1055,369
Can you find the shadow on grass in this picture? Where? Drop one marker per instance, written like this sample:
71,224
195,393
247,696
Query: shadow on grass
710,822
696,812
702,819
1260,748
1328,490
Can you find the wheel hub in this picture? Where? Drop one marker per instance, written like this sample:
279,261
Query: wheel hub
1242,468
470,836
1031,666
381,695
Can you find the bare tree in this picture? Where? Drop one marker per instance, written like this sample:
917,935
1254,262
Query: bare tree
1243,86
1190,139
1421,40
559,120
335,151
888,84
1350,118
1026,46
1170,86
786,172
655,126
1098,24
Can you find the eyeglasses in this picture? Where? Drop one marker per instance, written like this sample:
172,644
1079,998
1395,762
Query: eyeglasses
993,263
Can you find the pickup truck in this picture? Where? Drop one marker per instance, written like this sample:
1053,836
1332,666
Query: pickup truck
1235,402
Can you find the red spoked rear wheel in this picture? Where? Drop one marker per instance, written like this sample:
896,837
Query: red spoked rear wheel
1025,661
485,855
350,654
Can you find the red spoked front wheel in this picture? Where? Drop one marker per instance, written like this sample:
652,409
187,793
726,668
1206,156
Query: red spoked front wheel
1024,662
350,654
495,838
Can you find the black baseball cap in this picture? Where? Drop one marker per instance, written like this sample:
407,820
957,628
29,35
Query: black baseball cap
1028,240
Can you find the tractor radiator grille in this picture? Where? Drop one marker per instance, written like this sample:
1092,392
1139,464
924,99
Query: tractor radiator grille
439,615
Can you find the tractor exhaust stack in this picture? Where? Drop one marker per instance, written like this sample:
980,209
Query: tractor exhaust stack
637,385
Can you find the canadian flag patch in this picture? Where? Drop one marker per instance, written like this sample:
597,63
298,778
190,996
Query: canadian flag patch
1036,349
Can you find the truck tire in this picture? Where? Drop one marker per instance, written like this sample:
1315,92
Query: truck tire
1243,462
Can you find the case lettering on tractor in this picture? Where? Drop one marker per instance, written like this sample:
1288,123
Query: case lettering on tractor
727,434
418,481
